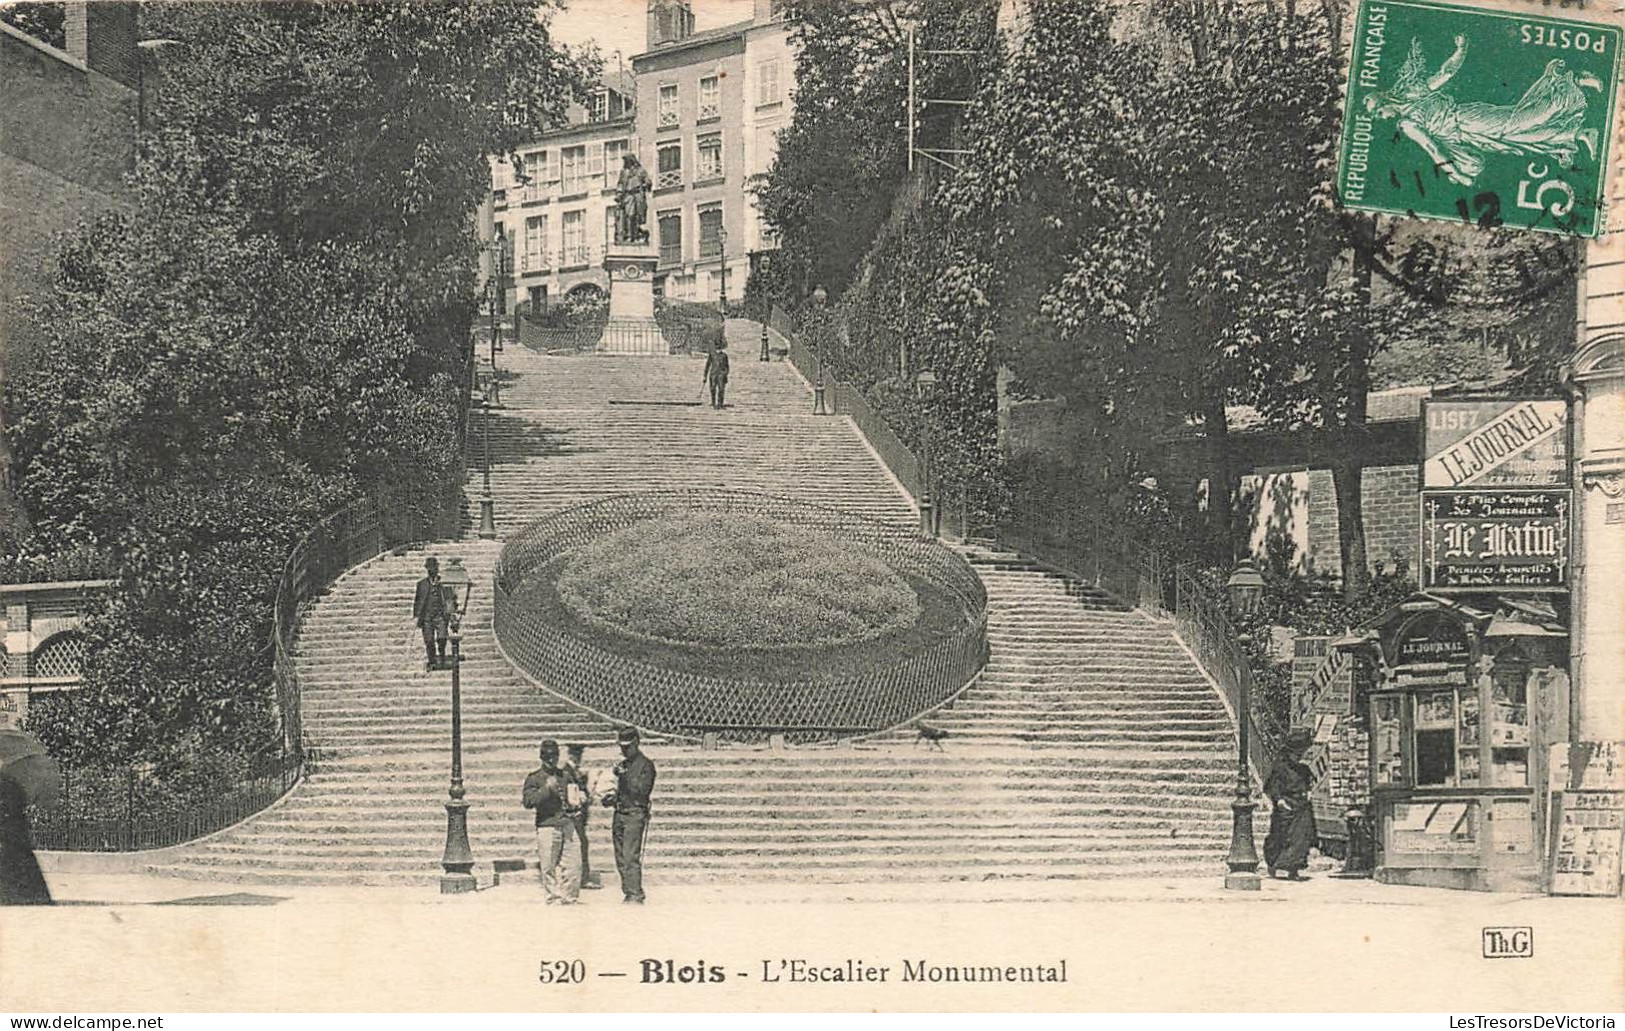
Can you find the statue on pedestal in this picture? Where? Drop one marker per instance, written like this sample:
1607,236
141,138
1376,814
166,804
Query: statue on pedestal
632,202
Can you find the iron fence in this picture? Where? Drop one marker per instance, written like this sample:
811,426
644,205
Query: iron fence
842,397
633,336
119,811
685,703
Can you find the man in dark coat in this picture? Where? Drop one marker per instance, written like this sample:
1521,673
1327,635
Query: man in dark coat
716,373
547,791
634,783
429,609
1292,820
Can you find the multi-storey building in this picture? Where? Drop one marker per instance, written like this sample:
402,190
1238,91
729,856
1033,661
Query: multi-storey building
770,66
704,101
553,203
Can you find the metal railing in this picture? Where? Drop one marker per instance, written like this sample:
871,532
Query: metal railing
627,336
675,701
119,811
844,398
1113,561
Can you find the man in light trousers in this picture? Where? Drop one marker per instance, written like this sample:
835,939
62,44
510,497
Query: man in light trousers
559,857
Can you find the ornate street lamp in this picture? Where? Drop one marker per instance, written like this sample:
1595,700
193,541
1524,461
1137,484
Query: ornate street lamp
722,255
819,298
1246,590
499,280
926,384
457,862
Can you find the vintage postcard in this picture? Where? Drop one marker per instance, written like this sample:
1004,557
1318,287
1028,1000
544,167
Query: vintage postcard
812,505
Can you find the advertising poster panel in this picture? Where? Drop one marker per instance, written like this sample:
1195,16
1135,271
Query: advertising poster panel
1495,540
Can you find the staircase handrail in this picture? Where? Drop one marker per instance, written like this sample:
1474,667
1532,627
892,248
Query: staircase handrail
898,458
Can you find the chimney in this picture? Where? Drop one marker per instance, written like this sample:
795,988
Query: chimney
669,22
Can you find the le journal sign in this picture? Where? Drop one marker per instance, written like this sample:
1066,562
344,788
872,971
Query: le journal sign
1495,444
1475,540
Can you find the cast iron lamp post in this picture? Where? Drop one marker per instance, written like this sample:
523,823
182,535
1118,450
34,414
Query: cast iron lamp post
457,863
926,384
499,280
488,522
1246,589
722,272
819,298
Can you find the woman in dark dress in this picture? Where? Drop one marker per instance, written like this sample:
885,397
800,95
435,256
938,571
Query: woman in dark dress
1292,821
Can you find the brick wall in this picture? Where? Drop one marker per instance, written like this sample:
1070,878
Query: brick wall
1392,520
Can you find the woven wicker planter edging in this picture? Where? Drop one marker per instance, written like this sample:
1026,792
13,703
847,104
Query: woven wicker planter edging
690,704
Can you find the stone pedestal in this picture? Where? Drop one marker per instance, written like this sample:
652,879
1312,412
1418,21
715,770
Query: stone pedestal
631,268
632,328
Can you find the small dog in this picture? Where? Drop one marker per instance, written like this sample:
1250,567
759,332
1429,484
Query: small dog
933,736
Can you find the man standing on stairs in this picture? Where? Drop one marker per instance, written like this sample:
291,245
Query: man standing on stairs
634,783
558,860
716,373
429,609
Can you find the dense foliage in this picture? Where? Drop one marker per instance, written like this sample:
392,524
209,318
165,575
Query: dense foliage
277,324
46,22
1142,228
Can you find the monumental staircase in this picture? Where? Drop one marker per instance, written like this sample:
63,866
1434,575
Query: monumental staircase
1090,747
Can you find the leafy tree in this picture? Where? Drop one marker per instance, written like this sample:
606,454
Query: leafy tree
842,157
46,22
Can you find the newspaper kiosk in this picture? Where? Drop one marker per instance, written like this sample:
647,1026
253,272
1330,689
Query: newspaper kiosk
1464,702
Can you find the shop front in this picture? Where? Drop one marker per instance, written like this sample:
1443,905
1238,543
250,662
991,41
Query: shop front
1466,695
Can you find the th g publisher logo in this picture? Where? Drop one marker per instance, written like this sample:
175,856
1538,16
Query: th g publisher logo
1509,942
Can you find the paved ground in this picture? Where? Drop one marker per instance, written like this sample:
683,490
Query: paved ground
1322,945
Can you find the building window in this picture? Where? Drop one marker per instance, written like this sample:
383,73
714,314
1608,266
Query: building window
775,10
769,87
538,299
598,107
533,170
575,239
710,231
668,105
614,154
709,153
573,170
669,160
671,237
710,99
534,256
61,657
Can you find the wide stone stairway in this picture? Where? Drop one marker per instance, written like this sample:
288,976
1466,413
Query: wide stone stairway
1091,746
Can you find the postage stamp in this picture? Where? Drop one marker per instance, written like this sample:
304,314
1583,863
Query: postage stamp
1479,116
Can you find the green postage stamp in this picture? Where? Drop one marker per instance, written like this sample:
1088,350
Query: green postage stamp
1481,116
